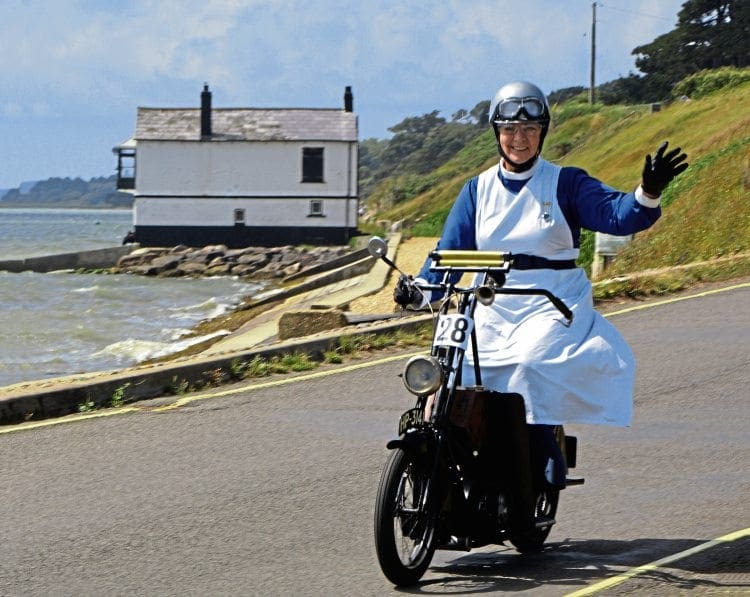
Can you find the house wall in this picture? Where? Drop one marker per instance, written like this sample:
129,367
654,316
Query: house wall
242,169
200,221
215,211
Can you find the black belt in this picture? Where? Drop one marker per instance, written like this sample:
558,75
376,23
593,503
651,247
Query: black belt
521,261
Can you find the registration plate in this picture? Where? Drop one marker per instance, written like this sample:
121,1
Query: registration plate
411,419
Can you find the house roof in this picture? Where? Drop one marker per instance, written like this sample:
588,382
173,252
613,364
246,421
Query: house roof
247,124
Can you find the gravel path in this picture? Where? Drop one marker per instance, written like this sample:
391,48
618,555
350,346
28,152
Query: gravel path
410,256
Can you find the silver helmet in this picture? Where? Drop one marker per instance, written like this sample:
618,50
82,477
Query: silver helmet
518,101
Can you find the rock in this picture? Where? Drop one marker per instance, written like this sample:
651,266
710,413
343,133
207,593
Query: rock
213,260
243,269
166,262
255,259
291,269
180,249
139,257
222,269
192,268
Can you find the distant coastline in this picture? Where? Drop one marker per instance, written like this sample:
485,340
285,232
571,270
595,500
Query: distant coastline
67,193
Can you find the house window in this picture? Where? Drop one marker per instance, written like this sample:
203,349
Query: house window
125,168
239,217
312,164
316,208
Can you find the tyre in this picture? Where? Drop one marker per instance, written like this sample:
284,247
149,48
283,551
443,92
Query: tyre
546,508
404,526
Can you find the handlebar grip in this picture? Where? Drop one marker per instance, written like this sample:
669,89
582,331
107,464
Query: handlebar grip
460,258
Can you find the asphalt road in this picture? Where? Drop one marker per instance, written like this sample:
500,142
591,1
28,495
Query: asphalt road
270,490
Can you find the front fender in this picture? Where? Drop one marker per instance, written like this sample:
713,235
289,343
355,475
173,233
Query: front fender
416,441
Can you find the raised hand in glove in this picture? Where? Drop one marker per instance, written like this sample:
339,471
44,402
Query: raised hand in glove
660,171
405,293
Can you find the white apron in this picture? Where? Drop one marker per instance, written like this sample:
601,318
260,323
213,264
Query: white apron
577,374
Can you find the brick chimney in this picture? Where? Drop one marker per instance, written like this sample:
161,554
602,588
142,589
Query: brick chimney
205,112
348,99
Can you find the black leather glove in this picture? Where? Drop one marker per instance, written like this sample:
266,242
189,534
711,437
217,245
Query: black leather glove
405,293
660,171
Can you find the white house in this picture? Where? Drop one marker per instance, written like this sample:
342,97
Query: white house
242,176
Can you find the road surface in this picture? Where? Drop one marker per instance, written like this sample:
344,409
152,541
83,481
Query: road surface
267,488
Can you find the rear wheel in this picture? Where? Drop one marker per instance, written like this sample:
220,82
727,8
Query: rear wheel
404,527
545,510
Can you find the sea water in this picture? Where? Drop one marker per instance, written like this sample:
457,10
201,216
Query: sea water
63,323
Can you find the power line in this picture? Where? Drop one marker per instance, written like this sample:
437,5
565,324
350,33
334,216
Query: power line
633,12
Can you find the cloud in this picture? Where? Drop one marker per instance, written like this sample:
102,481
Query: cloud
87,64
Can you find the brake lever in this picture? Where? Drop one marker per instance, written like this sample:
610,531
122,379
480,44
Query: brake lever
557,302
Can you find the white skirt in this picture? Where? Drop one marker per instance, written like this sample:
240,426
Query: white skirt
577,373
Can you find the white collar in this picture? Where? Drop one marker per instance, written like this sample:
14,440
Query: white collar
525,175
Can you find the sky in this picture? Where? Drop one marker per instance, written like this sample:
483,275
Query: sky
74,72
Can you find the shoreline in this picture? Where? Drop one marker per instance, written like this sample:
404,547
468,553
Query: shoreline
252,338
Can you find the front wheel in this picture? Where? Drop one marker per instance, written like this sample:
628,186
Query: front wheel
404,525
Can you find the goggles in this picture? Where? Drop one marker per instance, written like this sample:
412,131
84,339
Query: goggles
511,108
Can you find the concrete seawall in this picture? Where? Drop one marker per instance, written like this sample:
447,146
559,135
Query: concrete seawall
93,259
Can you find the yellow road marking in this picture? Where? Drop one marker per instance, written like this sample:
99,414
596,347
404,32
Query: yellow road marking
677,299
70,419
318,374
281,382
621,578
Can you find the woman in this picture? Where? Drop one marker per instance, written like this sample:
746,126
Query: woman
577,373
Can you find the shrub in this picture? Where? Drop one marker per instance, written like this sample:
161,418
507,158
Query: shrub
706,82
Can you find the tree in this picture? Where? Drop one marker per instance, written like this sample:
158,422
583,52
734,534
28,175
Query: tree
408,136
709,34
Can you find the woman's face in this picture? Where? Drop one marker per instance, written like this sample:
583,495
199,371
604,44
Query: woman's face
519,141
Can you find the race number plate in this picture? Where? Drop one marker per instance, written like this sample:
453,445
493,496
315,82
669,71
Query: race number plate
453,329
410,419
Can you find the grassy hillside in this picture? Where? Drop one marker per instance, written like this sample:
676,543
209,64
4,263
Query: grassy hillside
707,210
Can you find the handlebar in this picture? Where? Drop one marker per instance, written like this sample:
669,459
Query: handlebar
471,261
489,262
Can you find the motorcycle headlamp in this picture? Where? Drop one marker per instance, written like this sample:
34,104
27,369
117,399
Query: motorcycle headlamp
514,107
422,375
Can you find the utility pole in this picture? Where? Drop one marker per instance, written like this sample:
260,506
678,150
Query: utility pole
592,83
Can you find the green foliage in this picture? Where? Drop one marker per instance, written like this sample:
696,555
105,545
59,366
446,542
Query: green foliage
432,224
118,396
705,82
709,34
561,96
420,145
706,213
87,406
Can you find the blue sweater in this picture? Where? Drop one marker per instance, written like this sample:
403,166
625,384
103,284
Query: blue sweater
585,202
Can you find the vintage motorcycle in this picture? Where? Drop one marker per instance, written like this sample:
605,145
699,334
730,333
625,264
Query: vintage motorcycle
466,469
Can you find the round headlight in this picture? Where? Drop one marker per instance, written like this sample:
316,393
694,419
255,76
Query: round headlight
422,375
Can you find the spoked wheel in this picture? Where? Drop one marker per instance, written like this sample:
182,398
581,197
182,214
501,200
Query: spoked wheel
546,508
404,527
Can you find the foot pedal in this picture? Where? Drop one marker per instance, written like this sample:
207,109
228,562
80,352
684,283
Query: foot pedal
574,481
542,522
456,544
